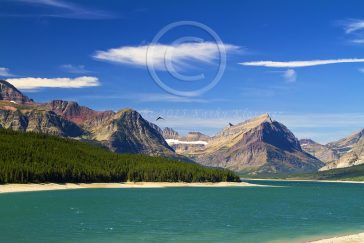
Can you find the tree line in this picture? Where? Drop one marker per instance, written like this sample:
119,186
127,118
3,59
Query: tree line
39,158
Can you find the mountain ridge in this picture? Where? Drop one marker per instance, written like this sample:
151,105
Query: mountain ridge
257,145
10,93
320,151
125,131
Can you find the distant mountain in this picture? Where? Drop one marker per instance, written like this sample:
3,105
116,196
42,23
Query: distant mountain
124,132
10,93
322,152
169,133
197,136
354,172
191,143
343,153
259,145
344,145
353,156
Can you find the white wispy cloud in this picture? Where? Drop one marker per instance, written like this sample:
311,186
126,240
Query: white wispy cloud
353,25
76,69
358,41
354,28
158,54
53,3
31,83
149,98
290,75
4,72
296,64
63,9
155,97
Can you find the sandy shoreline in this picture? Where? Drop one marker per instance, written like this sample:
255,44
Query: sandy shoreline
8,188
356,238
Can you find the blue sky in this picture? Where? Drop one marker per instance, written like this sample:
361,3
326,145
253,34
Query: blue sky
94,52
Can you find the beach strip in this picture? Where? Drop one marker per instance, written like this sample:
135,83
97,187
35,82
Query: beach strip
356,238
8,188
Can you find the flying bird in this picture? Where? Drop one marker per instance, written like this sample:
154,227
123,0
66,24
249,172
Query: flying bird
230,124
159,118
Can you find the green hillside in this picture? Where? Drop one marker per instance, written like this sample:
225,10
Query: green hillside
38,158
354,173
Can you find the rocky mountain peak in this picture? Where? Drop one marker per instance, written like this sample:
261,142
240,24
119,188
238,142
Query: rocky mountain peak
258,145
10,93
169,133
263,118
66,108
128,132
307,141
72,111
348,141
245,126
197,136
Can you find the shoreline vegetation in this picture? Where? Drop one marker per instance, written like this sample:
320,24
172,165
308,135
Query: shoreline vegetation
353,173
27,157
10,188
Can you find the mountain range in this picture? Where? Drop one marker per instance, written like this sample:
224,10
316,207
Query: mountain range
259,145
343,153
124,131
256,146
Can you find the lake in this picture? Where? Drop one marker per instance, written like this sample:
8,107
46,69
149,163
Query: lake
287,212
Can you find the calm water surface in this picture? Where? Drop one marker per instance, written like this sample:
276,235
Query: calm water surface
293,212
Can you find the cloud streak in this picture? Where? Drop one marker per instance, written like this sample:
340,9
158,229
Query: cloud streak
31,83
290,76
63,9
353,26
296,64
76,69
151,97
158,54
4,72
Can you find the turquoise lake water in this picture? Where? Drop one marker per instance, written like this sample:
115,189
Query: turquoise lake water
292,213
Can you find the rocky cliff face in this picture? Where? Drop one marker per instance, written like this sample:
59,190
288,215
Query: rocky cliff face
322,152
10,93
128,132
39,121
344,145
156,127
79,114
350,149
259,145
169,133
